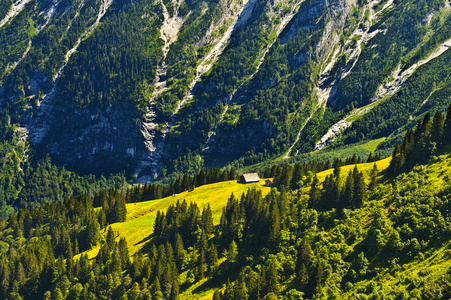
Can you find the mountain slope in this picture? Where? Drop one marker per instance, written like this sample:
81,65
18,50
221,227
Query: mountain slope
163,87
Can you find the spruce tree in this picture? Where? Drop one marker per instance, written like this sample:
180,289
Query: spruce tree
179,251
373,179
447,125
437,128
272,279
297,176
241,291
347,193
212,259
315,193
360,188
200,265
398,160
232,253
316,278
207,220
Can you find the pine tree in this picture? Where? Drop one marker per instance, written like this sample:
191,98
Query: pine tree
274,226
200,265
174,291
370,158
408,142
373,179
303,254
133,293
224,175
123,252
212,259
302,277
297,176
360,188
315,193
397,161
285,177
447,125
316,278
272,279
207,220
92,233
179,251
120,210
110,236
241,291
233,174
437,127
232,253
347,193
425,128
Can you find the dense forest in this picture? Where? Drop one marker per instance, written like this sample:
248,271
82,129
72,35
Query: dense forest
316,235
97,95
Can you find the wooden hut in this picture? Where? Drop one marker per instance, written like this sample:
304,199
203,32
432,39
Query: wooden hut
249,178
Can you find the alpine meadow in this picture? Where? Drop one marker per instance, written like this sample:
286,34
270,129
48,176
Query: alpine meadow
225,149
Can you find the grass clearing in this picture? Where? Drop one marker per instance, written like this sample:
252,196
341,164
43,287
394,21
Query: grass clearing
365,167
141,216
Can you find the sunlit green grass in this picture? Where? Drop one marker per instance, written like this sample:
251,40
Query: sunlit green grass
365,167
141,216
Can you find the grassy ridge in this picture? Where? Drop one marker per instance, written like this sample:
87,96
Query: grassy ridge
366,168
141,216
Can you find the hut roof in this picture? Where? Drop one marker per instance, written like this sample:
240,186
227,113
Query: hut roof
250,177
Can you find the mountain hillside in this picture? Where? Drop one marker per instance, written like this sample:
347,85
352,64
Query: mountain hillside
163,87
351,232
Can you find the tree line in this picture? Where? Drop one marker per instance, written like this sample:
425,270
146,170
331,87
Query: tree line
428,137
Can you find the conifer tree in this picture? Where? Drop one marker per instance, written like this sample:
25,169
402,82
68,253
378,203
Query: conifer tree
272,279
92,233
347,193
212,258
123,252
297,176
408,142
224,175
447,125
274,226
302,277
360,188
370,158
426,126
179,251
373,178
241,291
437,127
207,220
120,210
397,161
285,177
315,193
316,279
232,253
200,265
174,291
110,236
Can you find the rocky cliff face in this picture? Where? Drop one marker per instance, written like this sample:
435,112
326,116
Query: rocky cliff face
157,86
